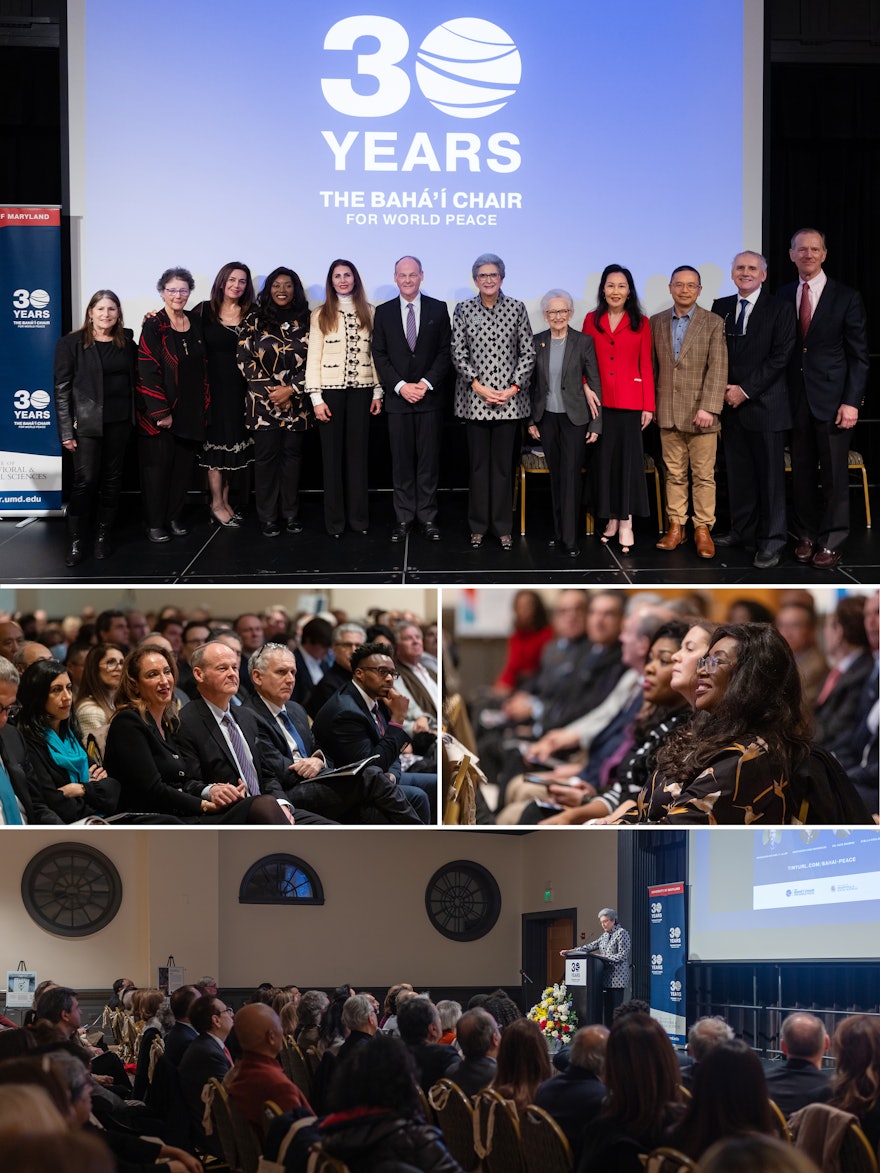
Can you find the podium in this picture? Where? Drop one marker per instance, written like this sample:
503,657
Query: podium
583,980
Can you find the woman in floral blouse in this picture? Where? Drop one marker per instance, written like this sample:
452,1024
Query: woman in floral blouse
734,762
272,357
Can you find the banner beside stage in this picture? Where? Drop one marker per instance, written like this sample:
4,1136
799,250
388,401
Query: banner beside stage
668,957
30,325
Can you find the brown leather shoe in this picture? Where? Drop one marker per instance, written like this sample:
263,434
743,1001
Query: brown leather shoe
703,541
826,559
804,550
673,537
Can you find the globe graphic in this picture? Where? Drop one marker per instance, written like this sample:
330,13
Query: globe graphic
468,68
40,400
39,299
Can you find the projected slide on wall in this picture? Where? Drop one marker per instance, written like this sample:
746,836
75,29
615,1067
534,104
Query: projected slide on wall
792,893
560,138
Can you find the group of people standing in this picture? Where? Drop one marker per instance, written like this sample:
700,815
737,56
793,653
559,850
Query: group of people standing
238,380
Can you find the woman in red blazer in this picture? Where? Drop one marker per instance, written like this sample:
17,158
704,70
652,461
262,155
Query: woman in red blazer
622,337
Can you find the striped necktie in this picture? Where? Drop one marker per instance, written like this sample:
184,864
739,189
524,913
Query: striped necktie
248,773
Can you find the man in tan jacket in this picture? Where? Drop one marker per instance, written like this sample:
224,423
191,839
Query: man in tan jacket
690,365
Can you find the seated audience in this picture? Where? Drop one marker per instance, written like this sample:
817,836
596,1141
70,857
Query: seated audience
182,1032
755,1154
798,625
206,1057
531,632
848,650
96,696
800,1079
146,1011
449,1012
478,1040
20,799
347,638
311,1006
574,1097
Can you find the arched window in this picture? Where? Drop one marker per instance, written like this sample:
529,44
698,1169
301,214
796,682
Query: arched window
281,879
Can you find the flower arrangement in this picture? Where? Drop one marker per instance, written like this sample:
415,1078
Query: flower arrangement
554,1014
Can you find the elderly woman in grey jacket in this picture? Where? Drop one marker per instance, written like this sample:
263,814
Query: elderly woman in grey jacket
95,377
493,352
566,401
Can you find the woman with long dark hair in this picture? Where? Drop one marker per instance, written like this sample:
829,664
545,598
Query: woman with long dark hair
644,1097
621,335
144,753
345,391
172,405
96,696
730,1098
68,783
227,448
856,1084
272,357
532,629
733,763
95,377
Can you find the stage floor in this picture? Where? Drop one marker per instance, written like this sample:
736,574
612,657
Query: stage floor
33,552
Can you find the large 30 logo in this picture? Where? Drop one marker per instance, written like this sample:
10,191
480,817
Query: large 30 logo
467,68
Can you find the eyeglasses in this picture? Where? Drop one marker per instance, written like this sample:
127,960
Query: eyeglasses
688,286
177,292
226,1010
112,663
382,671
10,710
488,277
558,313
351,646
711,664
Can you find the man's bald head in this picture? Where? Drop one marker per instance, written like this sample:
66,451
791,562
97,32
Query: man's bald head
588,1048
258,1028
804,1037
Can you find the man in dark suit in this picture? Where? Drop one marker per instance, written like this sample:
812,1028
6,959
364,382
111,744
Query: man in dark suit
370,797
206,1057
760,334
827,376
479,1039
419,1025
312,657
182,1032
366,717
574,1097
411,350
801,1079
227,745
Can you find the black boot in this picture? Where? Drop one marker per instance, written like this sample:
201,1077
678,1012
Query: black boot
76,551
103,545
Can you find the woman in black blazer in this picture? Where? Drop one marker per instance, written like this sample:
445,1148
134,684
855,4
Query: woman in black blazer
144,753
95,376
565,398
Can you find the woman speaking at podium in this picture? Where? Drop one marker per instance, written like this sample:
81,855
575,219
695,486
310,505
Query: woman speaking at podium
614,947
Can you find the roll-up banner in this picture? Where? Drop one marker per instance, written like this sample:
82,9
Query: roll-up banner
668,954
30,324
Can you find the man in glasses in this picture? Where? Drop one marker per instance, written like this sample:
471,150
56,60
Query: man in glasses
366,717
346,639
206,1057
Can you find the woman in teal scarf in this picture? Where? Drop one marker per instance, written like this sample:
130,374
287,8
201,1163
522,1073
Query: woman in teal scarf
67,782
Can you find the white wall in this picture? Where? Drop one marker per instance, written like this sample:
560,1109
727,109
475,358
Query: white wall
181,898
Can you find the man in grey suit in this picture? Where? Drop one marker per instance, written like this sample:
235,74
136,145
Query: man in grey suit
690,365
411,350
760,333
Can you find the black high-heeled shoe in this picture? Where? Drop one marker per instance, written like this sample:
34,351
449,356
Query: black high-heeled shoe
231,524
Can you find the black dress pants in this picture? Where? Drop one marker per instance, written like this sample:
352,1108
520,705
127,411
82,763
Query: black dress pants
755,484
491,447
98,462
415,464
167,462
344,454
564,445
277,464
818,445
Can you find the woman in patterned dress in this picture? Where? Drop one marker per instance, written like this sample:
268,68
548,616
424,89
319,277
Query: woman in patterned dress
494,353
734,762
345,392
272,357
228,448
